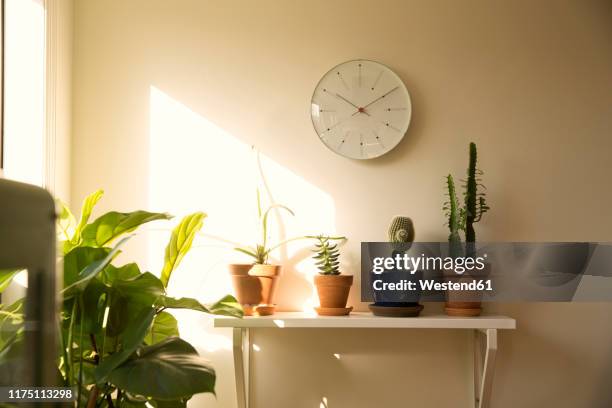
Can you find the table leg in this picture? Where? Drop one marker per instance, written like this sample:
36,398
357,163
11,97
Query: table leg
483,372
242,346
477,365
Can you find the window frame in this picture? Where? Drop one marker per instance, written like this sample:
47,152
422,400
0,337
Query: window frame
2,8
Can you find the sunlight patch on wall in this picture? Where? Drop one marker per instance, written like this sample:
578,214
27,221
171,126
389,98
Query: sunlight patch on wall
196,165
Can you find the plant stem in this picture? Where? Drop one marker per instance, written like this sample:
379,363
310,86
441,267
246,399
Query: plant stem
106,304
93,397
94,347
69,367
80,383
109,399
65,352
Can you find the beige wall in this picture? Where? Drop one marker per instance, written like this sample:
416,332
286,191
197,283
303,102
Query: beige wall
61,120
528,81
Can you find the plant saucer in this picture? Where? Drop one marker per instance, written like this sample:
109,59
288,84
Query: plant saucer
333,311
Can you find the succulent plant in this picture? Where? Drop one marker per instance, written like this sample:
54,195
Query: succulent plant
261,251
455,216
475,205
401,233
327,254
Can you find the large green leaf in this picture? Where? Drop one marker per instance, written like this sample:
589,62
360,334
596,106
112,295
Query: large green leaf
12,342
144,288
164,326
129,297
6,277
91,270
93,306
86,209
180,243
11,359
181,303
11,321
112,273
227,306
168,370
113,224
78,259
133,338
65,222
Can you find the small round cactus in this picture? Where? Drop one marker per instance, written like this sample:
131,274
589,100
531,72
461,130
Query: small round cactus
401,232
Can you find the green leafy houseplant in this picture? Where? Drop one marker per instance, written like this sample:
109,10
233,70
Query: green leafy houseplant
255,284
332,287
120,346
261,251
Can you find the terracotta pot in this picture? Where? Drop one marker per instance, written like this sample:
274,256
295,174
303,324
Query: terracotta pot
333,293
464,303
255,286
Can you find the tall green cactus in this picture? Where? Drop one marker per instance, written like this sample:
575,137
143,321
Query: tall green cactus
464,218
456,217
475,203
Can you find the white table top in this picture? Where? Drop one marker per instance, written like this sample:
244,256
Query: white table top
366,320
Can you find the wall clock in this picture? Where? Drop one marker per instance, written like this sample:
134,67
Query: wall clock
361,109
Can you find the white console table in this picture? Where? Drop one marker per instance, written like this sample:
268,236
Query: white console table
484,329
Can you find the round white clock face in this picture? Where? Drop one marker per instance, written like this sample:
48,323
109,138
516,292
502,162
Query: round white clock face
361,109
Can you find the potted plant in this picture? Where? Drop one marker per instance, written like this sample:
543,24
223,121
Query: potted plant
255,283
401,235
332,287
119,344
463,219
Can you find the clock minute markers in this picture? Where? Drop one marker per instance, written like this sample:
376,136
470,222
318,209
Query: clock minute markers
361,144
343,81
329,128
377,137
337,95
377,79
341,144
387,124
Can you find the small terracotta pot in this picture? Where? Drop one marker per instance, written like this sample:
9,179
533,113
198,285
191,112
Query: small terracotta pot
333,293
465,303
255,286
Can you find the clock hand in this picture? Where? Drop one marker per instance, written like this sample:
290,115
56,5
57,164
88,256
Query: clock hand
380,97
359,109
